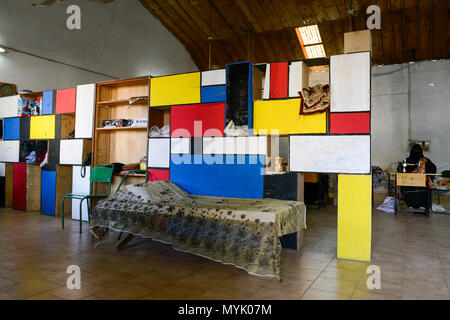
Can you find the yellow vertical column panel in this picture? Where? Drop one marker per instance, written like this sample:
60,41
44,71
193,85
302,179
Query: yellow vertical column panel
283,115
354,234
176,89
42,127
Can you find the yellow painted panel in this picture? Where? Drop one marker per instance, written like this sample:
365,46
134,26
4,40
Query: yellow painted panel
42,127
284,115
176,89
354,217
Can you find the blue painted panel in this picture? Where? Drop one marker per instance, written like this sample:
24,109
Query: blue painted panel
11,129
214,94
234,176
48,192
48,101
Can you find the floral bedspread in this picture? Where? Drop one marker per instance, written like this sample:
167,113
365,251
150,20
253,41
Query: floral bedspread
242,232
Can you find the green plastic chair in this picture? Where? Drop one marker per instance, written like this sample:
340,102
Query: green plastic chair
101,173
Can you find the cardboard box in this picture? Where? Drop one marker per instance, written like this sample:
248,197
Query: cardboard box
357,41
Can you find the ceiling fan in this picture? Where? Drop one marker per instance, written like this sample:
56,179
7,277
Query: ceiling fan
47,3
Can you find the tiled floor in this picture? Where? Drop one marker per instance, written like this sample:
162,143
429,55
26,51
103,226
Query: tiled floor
413,253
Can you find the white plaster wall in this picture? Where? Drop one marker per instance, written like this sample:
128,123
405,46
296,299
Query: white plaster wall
430,111
121,39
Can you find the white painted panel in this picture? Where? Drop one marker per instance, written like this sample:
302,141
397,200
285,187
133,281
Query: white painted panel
230,144
180,145
208,145
80,185
350,82
296,78
242,145
213,77
84,115
8,106
9,151
266,89
71,152
235,145
257,145
159,153
2,169
333,154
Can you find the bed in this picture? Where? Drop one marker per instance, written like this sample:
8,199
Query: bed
242,232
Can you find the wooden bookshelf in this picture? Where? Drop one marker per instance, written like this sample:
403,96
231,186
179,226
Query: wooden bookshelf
120,144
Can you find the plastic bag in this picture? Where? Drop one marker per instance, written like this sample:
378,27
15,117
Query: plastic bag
437,208
388,205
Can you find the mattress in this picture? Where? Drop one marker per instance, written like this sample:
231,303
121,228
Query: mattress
241,232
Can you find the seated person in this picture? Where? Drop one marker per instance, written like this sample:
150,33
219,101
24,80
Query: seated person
417,197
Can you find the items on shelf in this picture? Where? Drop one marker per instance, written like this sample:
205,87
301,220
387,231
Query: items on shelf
235,131
279,164
29,107
155,131
119,123
143,163
314,99
136,99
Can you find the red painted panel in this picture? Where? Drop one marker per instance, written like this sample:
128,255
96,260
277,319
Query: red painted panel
157,174
350,122
20,187
211,115
66,100
279,80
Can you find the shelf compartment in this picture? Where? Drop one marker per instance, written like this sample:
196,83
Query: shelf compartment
120,128
143,100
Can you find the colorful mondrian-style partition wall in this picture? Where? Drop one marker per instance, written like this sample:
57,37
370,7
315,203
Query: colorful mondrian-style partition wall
63,128
204,161
198,155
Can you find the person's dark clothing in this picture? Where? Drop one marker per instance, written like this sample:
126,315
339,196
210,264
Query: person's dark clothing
417,197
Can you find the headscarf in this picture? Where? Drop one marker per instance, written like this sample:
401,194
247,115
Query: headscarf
415,154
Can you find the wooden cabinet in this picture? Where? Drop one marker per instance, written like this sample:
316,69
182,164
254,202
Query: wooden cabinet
120,99
158,153
80,185
84,115
27,187
11,129
48,198
350,82
48,102
9,151
8,106
56,184
42,127
74,151
66,100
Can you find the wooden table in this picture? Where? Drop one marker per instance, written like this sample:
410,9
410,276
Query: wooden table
403,179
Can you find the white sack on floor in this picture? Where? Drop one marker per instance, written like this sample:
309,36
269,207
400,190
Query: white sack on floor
388,205
437,208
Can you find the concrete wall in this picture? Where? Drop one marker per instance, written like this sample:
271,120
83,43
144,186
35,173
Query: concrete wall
121,39
422,88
